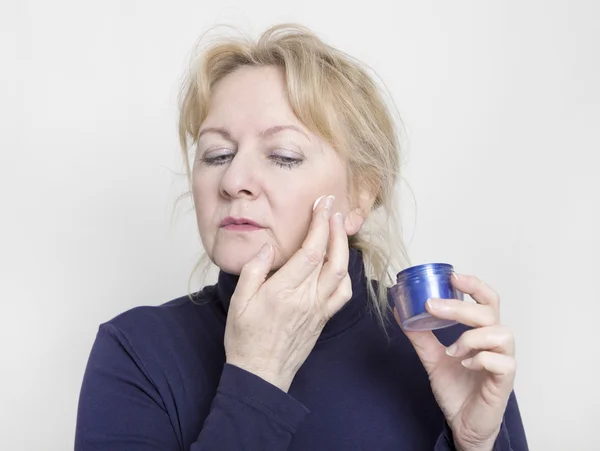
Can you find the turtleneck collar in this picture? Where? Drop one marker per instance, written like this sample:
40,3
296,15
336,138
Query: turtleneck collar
343,319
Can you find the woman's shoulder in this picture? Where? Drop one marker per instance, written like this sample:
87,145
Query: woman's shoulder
188,317
177,307
156,348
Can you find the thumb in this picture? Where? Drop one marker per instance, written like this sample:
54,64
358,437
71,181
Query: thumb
254,273
428,347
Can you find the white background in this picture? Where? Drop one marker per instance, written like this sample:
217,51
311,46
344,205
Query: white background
501,104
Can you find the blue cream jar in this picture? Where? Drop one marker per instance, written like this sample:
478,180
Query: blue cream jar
414,286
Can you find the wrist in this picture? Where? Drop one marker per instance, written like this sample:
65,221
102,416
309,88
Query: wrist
488,447
280,381
476,445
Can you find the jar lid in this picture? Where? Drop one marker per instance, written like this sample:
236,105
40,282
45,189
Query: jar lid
424,270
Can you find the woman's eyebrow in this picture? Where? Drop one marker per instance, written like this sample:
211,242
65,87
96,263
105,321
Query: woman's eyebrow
264,133
218,130
272,130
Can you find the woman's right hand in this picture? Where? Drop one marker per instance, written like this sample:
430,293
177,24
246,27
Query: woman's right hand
273,325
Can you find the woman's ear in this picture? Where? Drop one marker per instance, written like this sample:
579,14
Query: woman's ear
358,214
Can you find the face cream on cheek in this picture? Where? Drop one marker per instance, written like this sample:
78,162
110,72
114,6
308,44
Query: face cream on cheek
417,284
317,202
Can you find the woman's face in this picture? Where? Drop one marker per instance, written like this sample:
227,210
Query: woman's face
256,162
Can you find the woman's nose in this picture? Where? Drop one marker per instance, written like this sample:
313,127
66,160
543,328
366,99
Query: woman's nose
240,178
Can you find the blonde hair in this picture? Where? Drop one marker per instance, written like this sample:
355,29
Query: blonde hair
333,95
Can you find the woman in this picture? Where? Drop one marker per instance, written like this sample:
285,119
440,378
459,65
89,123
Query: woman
283,353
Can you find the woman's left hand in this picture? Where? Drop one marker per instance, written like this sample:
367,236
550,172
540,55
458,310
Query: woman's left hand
472,379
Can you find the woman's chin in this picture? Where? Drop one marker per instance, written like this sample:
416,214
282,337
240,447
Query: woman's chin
233,261
229,266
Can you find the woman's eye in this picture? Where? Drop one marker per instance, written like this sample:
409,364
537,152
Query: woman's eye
216,160
285,162
219,159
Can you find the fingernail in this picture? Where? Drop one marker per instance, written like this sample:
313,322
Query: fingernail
317,202
451,350
265,251
435,304
329,201
455,276
467,362
338,217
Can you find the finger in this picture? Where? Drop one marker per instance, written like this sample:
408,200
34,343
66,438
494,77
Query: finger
498,364
310,256
474,315
254,273
499,339
335,267
339,298
477,289
428,347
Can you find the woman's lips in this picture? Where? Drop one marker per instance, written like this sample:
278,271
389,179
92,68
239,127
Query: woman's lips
242,227
240,224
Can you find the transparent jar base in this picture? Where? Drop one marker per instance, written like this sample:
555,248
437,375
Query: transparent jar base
425,321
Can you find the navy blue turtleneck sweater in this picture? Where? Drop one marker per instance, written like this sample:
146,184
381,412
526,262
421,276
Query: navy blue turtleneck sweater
156,379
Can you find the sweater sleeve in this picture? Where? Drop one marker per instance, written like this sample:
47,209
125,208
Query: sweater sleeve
249,413
510,438
120,407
